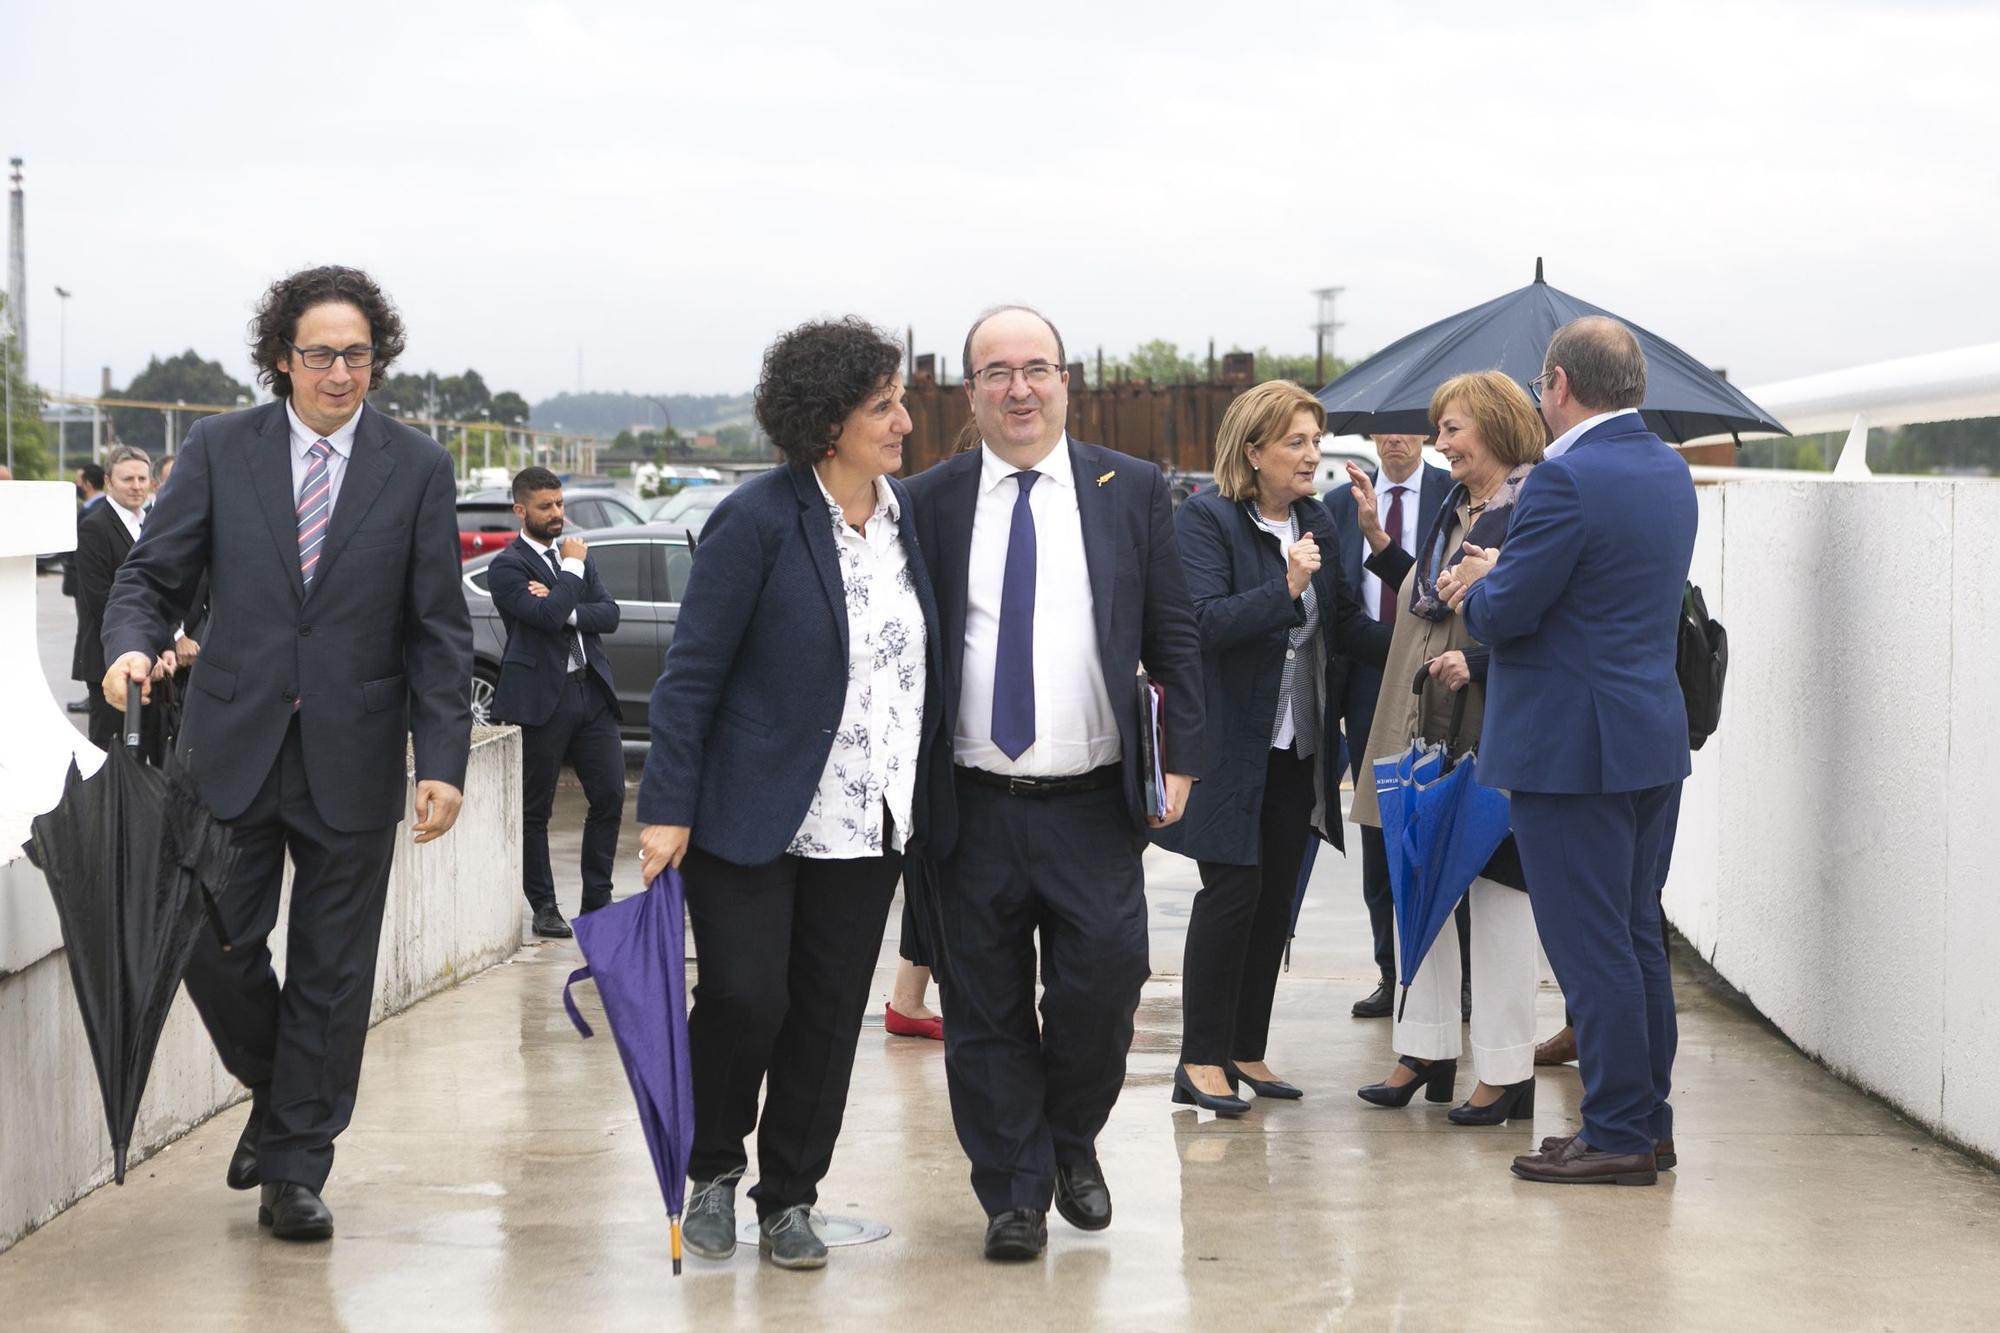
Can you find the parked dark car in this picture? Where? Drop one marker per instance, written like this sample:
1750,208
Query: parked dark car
644,568
486,519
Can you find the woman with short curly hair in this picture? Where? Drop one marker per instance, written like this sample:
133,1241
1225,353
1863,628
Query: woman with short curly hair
798,698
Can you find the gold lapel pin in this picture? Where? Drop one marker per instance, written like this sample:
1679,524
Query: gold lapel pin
1107,476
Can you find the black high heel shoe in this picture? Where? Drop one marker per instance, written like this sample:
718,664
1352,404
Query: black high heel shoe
1434,1077
1276,1087
1187,1094
1515,1102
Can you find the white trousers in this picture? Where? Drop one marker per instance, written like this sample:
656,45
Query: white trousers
1504,977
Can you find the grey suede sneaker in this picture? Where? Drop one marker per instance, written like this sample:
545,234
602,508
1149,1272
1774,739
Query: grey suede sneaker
788,1240
710,1228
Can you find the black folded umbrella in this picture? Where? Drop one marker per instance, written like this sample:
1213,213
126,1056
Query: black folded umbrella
1390,392
134,861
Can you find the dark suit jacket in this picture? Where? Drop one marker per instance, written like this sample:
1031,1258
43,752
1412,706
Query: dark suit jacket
744,713
1356,684
1236,579
535,664
1582,614
1138,593
102,542
69,565
378,653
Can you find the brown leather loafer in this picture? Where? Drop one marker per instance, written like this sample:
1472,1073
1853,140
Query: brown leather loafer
1663,1149
1557,1050
1576,1163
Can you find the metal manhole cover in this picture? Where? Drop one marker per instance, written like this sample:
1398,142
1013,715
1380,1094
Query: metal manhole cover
833,1232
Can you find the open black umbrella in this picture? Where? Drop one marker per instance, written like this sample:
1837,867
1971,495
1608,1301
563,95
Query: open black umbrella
134,861
1390,392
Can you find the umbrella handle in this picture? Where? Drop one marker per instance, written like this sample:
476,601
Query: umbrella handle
131,717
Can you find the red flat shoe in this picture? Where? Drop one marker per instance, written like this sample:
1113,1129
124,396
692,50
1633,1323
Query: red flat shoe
898,1026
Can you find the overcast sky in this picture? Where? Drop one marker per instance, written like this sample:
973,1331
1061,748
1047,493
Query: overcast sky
1781,188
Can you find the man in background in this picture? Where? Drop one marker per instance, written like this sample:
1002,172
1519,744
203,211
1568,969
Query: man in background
105,535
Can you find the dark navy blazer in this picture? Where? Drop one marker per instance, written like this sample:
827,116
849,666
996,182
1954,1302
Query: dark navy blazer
1236,578
743,716
1581,612
1138,592
535,664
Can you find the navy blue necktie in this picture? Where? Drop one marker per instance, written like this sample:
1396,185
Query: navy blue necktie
1014,660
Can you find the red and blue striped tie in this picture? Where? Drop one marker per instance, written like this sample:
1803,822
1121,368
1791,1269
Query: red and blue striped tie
315,507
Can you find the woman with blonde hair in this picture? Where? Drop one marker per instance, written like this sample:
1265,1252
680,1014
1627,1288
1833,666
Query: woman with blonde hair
1272,617
1493,437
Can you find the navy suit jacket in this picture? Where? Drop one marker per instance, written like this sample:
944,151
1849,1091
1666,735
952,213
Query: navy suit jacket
378,653
1352,686
1138,594
1236,579
1582,614
744,713
534,666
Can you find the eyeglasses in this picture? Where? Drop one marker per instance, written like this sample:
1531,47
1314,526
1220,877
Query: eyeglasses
322,358
1535,385
1037,374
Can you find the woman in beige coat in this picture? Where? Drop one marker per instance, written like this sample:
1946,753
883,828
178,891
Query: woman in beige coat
1492,436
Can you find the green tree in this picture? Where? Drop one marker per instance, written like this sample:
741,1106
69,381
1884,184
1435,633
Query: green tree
33,457
186,378
1300,368
1161,362
510,408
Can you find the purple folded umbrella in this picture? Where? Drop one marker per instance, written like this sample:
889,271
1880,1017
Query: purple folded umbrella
635,949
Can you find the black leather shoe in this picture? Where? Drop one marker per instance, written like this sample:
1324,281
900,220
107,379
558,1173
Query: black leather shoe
1187,1094
1017,1235
294,1212
1276,1087
1082,1197
1435,1077
550,925
1380,1004
1515,1102
77,706
243,1162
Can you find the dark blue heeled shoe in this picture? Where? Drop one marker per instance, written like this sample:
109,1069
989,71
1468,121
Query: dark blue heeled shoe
1187,1094
1435,1077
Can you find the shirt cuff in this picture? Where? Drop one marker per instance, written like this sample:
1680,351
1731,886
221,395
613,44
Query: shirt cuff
573,567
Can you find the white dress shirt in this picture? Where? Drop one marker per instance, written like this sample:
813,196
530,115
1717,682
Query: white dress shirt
1075,729
543,553
873,762
129,517
303,438
1413,498
1575,433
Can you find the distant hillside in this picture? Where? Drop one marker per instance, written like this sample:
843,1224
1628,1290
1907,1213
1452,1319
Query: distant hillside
606,414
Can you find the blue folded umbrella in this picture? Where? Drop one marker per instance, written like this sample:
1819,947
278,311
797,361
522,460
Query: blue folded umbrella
636,951
1440,828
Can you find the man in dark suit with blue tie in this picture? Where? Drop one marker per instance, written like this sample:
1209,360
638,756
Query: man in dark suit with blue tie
338,644
555,682
1586,727
1056,574
1408,492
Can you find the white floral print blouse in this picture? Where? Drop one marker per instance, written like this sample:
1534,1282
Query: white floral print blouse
874,756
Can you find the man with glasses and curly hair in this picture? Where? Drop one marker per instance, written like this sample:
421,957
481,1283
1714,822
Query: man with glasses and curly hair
338,636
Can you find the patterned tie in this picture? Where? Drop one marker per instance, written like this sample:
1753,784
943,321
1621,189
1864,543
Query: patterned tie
1393,525
577,661
1014,660
315,507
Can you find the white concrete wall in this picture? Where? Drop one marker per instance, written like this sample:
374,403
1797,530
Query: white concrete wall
454,909
1837,857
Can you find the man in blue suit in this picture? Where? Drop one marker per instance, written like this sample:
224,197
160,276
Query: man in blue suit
1586,727
1056,573
1408,493
555,683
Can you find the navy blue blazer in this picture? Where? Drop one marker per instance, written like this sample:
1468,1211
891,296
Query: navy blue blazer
1138,591
1354,685
377,654
1236,579
744,713
1582,613
535,664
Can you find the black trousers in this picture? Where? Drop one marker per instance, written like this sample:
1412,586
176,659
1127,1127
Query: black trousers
297,1047
785,955
1027,1096
583,733
1236,931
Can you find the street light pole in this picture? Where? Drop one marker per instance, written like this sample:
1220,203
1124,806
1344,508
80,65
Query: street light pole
62,379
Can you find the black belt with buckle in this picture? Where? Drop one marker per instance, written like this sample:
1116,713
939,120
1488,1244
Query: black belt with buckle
1097,779
582,673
